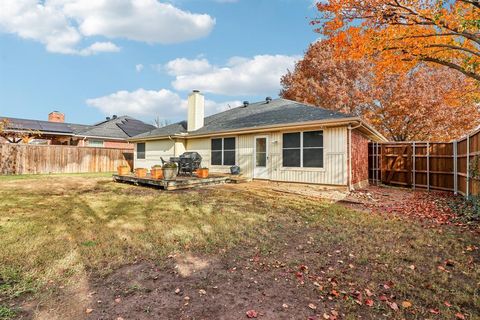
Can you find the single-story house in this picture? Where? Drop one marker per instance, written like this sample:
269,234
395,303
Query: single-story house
112,132
275,139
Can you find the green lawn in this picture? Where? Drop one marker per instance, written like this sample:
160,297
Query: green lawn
61,232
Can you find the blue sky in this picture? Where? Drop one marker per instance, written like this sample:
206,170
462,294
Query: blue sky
142,57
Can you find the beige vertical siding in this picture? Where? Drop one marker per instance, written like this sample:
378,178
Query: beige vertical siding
179,147
246,147
202,146
333,173
335,159
153,151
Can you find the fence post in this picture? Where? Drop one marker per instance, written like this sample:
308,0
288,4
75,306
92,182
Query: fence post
428,166
455,168
468,168
375,164
413,169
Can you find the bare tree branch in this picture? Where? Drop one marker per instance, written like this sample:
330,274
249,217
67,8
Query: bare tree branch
473,75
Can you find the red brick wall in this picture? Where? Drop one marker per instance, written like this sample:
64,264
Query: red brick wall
56,116
118,144
359,157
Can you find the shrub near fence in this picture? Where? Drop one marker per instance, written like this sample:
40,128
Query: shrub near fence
35,159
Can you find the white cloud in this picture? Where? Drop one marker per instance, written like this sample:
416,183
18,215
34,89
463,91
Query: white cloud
240,76
139,67
98,47
182,66
150,103
141,20
62,25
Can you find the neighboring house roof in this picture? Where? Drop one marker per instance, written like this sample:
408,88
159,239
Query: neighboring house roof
118,128
122,127
255,115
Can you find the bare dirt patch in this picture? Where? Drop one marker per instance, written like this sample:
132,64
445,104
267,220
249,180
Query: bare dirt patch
103,250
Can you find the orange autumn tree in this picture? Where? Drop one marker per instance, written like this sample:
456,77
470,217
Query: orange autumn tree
424,103
401,33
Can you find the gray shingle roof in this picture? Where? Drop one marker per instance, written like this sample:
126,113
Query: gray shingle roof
119,128
255,115
61,128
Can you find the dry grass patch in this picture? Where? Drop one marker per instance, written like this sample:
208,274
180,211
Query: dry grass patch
61,233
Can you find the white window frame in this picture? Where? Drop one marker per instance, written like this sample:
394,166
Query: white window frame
144,152
223,150
301,167
91,143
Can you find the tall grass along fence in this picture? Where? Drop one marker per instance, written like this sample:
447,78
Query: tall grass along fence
33,159
450,166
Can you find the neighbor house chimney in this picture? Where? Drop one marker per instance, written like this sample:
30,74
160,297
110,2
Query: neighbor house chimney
56,116
196,110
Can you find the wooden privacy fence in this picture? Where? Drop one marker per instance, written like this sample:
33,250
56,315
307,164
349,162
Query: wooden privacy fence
24,159
428,165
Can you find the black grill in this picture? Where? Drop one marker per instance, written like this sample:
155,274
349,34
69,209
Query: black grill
188,162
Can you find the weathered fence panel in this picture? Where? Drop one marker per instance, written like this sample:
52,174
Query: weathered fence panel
427,165
33,159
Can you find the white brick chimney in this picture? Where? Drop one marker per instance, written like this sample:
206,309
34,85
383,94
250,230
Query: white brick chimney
196,110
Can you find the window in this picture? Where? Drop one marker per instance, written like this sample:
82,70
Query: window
95,143
303,149
140,150
223,152
291,150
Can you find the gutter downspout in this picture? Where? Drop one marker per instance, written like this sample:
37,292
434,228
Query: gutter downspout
174,146
350,128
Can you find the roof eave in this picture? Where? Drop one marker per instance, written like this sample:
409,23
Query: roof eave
99,137
373,133
40,132
327,122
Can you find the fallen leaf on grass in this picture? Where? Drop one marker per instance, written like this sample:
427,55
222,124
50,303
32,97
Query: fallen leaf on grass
252,314
369,302
393,306
441,268
334,293
326,316
88,311
368,293
312,306
383,298
459,315
447,304
449,263
434,311
406,304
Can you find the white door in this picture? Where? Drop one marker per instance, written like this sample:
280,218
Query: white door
260,170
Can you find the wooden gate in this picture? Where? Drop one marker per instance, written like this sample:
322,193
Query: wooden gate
428,165
449,166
